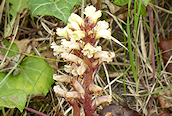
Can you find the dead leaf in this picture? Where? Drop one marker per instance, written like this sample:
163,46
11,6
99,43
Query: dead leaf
166,45
107,4
121,109
165,103
23,45
164,114
49,54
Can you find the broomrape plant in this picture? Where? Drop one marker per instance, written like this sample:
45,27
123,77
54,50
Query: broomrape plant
79,48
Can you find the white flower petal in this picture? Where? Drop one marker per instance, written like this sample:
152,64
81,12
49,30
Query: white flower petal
72,95
103,99
63,31
90,11
96,15
103,33
57,48
89,50
76,35
59,91
106,56
76,18
70,45
102,25
72,68
73,25
62,78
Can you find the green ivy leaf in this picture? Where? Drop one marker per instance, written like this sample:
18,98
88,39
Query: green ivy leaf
35,74
12,98
120,2
59,8
145,2
17,6
13,50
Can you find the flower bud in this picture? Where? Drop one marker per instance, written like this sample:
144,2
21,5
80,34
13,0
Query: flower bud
63,32
71,45
89,50
62,78
73,58
73,25
96,89
76,35
76,18
71,68
103,99
78,87
97,62
72,95
90,11
59,91
106,56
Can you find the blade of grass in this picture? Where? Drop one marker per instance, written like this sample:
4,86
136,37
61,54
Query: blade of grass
156,92
131,53
11,70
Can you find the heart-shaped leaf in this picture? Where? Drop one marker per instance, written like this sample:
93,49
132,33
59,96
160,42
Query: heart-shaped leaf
12,98
17,6
35,75
13,50
59,8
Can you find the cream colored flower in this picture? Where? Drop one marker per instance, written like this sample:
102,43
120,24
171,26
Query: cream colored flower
59,91
63,31
57,49
89,50
97,62
81,69
78,87
102,30
90,11
76,35
101,25
96,89
62,78
70,44
72,68
103,33
73,25
73,58
106,56
76,18
103,99
72,95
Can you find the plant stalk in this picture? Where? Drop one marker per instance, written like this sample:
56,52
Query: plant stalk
87,81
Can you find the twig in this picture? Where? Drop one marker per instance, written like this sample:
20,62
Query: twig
35,30
35,111
153,54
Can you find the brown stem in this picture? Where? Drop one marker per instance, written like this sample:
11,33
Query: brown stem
75,107
87,81
35,111
31,31
153,57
